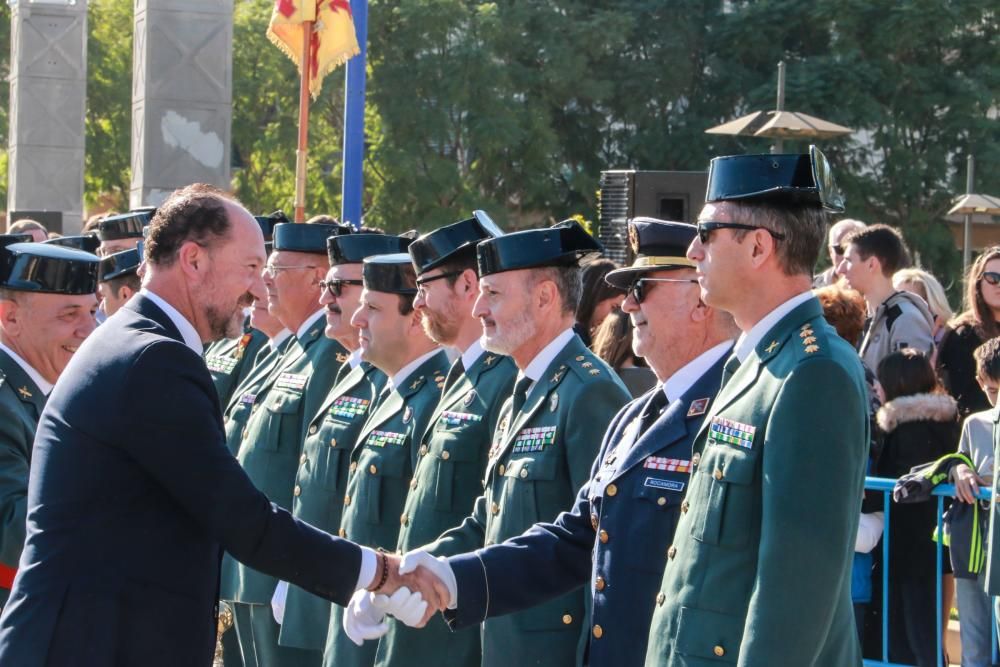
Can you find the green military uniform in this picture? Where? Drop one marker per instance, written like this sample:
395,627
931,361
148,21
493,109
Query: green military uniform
242,399
540,455
320,484
231,360
382,463
446,483
21,404
759,571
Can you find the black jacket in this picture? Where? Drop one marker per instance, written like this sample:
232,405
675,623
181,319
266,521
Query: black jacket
957,368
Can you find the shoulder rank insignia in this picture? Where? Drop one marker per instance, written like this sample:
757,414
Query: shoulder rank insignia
806,332
553,402
770,348
698,407
489,360
342,357
580,358
24,392
407,414
812,348
587,364
559,374
416,383
469,398
809,340
595,371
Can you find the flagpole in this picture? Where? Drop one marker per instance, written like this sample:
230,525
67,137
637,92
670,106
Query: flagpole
303,147
354,120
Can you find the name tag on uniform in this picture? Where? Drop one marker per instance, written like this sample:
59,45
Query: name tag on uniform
220,364
248,399
292,381
348,407
665,484
383,438
449,418
534,439
663,463
731,432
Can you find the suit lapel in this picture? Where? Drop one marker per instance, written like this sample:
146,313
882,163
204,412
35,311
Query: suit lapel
146,308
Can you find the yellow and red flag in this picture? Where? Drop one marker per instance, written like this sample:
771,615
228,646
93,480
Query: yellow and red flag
334,40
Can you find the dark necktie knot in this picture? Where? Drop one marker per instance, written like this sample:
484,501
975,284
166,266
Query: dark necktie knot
520,394
456,371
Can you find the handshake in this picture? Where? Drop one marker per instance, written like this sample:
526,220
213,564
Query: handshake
415,588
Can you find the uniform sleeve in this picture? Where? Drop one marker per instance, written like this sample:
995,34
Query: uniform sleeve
183,449
468,536
14,469
812,475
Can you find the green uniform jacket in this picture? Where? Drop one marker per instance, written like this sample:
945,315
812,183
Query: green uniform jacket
760,569
538,460
320,485
21,404
230,361
382,463
446,483
236,412
270,451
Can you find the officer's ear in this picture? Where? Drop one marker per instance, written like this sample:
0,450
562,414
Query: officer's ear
762,246
546,295
701,312
467,283
125,293
192,259
9,316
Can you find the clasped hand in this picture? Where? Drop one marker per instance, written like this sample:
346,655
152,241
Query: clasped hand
417,586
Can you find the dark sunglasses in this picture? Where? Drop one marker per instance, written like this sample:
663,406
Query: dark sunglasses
705,229
837,249
421,281
992,277
638,289
336,286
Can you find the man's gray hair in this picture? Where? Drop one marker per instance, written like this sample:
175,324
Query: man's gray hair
568,282
804,229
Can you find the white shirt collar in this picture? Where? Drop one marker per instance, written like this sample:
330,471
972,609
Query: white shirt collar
188,332
404,373
43,385
279,338
682,380
355,359
311,320
471,355
749,339
542,360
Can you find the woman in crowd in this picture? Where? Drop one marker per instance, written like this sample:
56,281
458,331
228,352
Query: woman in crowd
613,344
920,423
955,364
597,300
926,286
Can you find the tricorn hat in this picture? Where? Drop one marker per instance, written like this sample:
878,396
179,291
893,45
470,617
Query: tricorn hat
85,242
125,226
43,267
119,264
437,247
354,248
564,244
390,273
303,237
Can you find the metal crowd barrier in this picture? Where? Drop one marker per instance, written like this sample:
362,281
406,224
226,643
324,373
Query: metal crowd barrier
940,492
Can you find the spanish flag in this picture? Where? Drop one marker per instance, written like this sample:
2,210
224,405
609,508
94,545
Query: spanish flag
334,40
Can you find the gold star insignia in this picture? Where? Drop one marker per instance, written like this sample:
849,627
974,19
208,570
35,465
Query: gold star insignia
489,360
24,392
770,348
812,348
587,364
805,333
416,383
808,340
594,371
580,358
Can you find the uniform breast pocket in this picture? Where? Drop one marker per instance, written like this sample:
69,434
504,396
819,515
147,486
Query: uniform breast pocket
709,635
279,406
726,504
459,461
384,468
653,514
331,455
528,484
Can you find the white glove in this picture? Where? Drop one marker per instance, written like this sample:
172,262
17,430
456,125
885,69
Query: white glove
278,601
437,566
362,619
406,606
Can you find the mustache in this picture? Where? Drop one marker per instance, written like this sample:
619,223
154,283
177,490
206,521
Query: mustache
334,308
245,300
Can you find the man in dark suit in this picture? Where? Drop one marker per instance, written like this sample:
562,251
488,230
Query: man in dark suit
129,510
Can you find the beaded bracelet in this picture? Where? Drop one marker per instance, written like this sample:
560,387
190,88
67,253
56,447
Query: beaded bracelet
385,571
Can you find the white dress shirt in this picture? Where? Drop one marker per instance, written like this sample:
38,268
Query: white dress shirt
188,332
749,339
683,379
542,360
471,355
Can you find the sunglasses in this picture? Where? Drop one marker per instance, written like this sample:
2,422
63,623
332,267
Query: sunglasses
992,277
336,286
638,288
705,229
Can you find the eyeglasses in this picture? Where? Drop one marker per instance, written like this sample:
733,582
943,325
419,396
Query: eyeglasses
637,289
705,229
336,286
992,277
273,269
429,279
837,249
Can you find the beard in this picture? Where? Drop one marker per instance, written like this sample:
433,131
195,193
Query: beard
442,328
227,322
509,336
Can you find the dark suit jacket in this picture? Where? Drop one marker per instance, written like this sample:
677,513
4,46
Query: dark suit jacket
132,498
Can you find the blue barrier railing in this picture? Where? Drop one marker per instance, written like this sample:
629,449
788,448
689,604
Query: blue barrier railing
940,492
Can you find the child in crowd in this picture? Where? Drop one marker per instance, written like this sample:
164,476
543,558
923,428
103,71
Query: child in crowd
974,609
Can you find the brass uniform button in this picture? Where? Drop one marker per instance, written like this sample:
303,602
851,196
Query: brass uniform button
347,500
333,442
297,491
342,533
612,490
313,429
660,599
684,507
718,474
593,521
372,469
445,455
696,459
719,651
598,632
423,450
404,520
524,473
603,536
661,501
354,466
671,552
502,469
246,432
302,459
567,619
494,509
413,483
599,584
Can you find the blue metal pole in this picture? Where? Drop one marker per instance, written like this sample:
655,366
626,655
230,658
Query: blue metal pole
354,120
939,606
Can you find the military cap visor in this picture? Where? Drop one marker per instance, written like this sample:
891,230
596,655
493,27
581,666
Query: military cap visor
41,267
659,245
563,244
805,179
354,248
303,237
437,247
390,273
119,264
85,242
124,226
